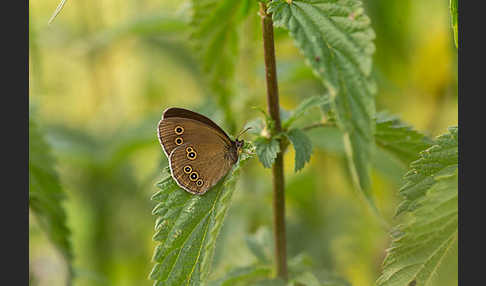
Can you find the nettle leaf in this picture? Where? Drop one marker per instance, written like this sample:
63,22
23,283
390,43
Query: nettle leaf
305,105
215,32
267,150
421,247
45,192
399,138
337,41
440,159
302,146
187,227
245,275
453,9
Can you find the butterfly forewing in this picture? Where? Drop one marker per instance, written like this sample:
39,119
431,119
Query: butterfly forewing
185,113
175,131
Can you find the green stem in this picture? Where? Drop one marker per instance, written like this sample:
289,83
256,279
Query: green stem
277,168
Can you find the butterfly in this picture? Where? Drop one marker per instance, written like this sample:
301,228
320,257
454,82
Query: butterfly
200,153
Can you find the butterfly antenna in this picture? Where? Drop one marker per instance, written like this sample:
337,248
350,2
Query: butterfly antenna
243,132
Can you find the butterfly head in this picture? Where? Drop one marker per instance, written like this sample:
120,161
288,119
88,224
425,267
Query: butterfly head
239,145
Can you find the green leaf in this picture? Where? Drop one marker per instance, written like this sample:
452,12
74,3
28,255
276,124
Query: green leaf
302,146
303,271
303,107
422,247
453,9
260,244
337,41
187,227
440,159
243,275
309,279
399,138
300,263
306,278
266,150
45,192
215,32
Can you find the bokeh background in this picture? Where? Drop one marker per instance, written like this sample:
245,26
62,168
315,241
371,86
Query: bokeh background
102,73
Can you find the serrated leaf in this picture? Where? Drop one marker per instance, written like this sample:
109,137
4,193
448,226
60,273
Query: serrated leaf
215,32
266,150
187,227
45,192
421,247
302,146
440,159
337,40
303,107
399,138
453,9
243,275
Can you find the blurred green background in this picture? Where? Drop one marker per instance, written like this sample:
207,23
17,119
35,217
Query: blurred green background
102,73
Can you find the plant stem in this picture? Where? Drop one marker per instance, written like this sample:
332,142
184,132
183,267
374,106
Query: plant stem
277,168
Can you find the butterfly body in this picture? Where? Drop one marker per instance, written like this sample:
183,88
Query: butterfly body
200,153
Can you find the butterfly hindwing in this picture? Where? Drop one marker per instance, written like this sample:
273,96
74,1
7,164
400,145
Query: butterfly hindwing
198,167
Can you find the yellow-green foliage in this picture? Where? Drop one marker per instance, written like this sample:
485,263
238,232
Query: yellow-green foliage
102,72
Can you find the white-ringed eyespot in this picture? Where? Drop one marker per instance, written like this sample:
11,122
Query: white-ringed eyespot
179,130
187,169
191,155
178,141
194,176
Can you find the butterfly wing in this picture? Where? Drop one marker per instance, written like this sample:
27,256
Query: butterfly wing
183,123
185,113
213,153
198,175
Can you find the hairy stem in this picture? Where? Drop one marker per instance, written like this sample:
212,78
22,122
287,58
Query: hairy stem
277,168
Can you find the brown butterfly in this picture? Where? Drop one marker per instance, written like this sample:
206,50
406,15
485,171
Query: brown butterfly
200,153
